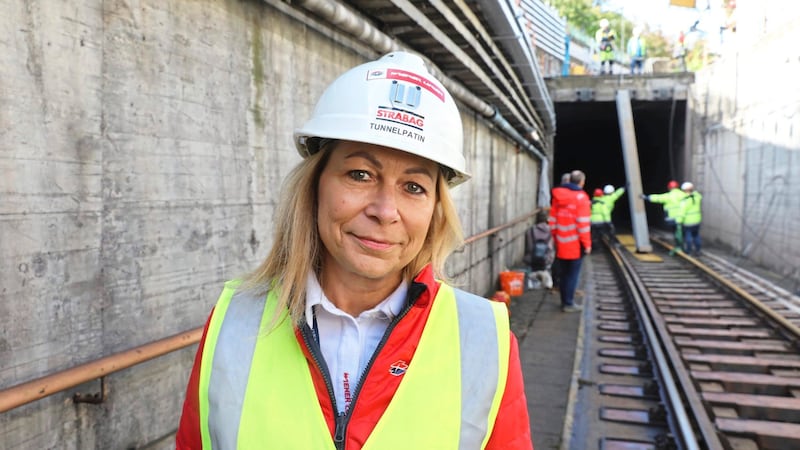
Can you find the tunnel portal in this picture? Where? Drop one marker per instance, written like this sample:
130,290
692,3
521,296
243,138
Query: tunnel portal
588,137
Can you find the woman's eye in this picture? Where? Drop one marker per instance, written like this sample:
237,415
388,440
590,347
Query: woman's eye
359,175
415,188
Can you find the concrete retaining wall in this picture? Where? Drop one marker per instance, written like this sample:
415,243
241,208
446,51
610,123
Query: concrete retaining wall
746,138
142,146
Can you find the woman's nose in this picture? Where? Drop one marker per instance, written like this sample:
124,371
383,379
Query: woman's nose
383,205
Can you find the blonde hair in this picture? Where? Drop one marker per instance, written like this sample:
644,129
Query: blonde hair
297,247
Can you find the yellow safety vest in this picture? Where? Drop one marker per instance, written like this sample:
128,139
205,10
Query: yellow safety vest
256,389
671,201
691,209
603,206
598,210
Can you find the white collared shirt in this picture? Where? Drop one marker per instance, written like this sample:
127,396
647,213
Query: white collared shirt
348,342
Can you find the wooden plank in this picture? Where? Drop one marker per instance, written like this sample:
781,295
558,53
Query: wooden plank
739,346
746,378
782,430
717,332
756,401
741,360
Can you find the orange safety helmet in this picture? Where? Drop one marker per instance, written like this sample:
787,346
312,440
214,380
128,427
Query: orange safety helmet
672,184
598,193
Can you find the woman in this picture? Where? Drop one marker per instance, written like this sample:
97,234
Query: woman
344,338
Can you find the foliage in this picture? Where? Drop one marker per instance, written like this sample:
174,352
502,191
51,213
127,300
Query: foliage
658,45
585,15
580,14
698,57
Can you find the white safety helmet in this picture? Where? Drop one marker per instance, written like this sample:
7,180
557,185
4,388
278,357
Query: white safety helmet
393,102
608,189
604,23
687,185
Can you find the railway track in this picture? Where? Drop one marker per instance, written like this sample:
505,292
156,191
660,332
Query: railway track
783,302
677,357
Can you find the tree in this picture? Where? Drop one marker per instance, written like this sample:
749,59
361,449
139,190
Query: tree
658,45
580,14
698,57
585,15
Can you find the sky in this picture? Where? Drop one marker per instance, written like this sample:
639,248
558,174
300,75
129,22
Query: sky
659,14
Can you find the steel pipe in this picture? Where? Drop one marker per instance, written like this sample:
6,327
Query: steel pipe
60,381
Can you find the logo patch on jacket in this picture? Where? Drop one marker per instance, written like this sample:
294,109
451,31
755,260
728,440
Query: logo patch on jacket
398,368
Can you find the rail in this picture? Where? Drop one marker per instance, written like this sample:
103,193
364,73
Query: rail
662,351
782,321
54,383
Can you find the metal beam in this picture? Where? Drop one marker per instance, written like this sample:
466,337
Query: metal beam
630,154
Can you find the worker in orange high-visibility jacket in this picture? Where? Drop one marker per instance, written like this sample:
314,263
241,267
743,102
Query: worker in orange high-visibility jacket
347,337
570,221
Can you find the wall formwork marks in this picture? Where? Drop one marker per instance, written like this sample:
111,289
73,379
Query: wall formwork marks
746,141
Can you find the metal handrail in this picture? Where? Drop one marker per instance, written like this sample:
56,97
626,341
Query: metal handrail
54,383
40,388
494,230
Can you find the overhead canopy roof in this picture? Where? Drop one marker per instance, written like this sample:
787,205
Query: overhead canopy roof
477,44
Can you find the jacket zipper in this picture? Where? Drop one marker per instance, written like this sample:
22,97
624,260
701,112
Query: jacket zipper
343,419
316,355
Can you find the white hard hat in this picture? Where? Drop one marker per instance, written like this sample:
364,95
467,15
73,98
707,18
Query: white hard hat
603,23
608,189
687,185
393,102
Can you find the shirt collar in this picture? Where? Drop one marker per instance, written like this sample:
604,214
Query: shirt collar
390,306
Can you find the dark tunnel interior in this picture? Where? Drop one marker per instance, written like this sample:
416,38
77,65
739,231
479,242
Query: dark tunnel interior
588,138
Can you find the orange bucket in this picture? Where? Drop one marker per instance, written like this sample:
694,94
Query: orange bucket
512,282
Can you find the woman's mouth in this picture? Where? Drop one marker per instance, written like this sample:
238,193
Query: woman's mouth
373,243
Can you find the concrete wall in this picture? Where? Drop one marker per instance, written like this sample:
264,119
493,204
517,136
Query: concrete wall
142,145
745,136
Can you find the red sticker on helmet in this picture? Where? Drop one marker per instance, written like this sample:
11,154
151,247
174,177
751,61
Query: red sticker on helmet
408,77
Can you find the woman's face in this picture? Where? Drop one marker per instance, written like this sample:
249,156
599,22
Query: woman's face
375,207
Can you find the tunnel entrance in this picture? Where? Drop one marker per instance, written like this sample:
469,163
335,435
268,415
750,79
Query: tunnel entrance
588,138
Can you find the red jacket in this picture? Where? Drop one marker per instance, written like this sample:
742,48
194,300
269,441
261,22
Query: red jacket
512,427
570,220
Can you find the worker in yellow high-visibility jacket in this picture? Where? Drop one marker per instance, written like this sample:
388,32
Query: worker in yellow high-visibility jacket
690,217
671,200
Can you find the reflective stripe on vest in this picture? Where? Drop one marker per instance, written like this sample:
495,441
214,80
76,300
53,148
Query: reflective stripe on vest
249,373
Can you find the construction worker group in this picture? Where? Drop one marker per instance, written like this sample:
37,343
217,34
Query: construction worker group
578,224
682,212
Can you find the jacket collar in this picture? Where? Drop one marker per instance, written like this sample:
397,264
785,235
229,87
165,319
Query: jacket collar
423,288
